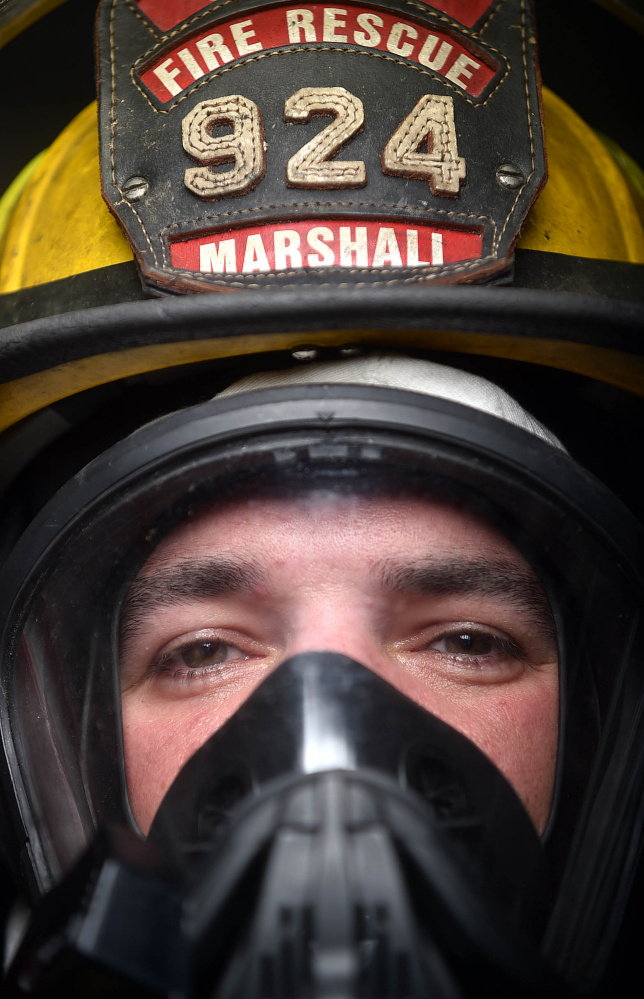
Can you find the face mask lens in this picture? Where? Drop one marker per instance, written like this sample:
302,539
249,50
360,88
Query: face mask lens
238,588
174,600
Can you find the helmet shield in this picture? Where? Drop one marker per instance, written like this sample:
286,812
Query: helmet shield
321,460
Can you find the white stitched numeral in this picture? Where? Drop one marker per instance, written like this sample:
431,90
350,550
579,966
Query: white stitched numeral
244,147
310,166
431,119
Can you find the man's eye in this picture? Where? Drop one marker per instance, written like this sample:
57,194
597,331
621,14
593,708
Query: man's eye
205,654
468,642
199,655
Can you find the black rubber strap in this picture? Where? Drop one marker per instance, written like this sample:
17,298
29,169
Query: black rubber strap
120,283
43,343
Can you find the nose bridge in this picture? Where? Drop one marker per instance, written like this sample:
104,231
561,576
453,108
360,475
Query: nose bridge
337,615
350,617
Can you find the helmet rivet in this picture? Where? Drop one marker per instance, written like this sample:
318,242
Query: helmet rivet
135,188
508,175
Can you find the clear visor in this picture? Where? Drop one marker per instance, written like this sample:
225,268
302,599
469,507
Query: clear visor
415,586
444,570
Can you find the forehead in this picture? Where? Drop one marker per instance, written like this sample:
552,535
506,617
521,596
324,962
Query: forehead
325,525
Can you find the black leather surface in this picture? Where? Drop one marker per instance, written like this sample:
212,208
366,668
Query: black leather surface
142,137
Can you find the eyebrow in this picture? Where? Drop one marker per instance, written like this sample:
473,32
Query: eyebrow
174,583
486,577
177,582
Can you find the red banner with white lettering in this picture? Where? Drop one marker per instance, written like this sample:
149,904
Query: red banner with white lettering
316,243
178,66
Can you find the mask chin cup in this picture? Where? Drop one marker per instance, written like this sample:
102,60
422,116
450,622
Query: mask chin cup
337,839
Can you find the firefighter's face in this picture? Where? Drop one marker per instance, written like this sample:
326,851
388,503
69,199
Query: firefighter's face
430,598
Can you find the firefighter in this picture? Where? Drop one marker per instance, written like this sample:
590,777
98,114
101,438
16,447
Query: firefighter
321,658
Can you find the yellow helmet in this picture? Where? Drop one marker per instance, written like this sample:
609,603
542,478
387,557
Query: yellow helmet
55,226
